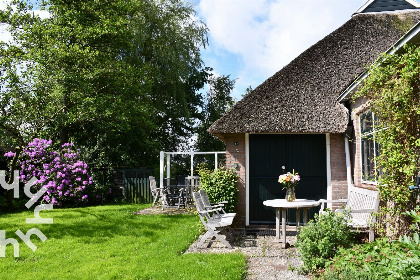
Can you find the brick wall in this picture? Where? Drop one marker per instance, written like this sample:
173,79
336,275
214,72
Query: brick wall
338,166
236,154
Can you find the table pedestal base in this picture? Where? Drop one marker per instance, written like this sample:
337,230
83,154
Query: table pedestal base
282,238
284,205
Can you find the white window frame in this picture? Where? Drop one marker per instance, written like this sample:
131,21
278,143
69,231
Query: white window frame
364,135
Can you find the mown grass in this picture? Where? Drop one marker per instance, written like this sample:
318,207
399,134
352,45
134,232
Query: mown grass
109,242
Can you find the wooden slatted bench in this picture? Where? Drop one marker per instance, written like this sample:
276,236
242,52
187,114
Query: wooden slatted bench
362,204
219,205
213,222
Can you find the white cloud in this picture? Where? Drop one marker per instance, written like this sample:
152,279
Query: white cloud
268,34
3,4
5,35
42,14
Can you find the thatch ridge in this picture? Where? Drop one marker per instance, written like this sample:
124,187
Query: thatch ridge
301,97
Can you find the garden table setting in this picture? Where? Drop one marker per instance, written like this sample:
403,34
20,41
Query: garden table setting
179,190
289,181
172,192
282,205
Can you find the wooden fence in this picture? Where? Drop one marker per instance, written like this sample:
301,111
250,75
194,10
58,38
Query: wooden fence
137,190
135,184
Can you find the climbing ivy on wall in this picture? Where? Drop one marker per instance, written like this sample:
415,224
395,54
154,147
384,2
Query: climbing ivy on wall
393,90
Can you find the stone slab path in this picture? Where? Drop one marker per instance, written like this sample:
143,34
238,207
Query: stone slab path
265,257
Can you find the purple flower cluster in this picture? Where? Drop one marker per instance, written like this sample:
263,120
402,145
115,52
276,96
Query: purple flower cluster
64,176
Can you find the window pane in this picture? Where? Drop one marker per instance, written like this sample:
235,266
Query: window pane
368,157
376,122
366,122
379,171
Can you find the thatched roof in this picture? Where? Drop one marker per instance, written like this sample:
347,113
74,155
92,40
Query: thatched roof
302,97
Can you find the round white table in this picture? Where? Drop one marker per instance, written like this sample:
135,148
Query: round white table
283,205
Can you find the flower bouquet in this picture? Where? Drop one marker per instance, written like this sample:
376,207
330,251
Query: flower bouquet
289,181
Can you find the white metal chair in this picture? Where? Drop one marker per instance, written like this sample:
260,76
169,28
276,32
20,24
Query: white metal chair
361,205
214,224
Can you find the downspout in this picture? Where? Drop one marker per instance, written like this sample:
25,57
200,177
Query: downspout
348,164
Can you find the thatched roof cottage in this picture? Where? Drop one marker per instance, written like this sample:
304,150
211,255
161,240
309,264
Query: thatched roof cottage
300,118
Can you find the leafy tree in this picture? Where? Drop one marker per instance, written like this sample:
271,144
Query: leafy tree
247,91
393,90
218,102
117,77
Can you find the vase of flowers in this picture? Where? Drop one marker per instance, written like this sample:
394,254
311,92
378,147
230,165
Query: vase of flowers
289,181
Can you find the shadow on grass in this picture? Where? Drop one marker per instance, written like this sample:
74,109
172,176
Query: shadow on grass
92,227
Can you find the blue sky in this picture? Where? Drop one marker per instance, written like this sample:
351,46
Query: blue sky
251,40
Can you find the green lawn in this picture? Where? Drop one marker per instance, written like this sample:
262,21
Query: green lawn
109,242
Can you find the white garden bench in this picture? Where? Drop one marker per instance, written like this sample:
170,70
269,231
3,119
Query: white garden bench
213,222
361,205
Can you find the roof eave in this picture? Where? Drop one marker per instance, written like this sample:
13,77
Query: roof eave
414,3
364,6
407,38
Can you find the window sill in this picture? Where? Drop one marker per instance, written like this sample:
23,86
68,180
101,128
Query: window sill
370,183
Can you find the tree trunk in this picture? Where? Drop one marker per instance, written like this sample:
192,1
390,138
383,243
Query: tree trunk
12,169
64,133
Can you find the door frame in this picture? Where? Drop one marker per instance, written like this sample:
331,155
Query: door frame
328,155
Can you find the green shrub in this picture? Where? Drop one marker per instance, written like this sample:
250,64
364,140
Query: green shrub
321,238
380,259
220,185
412,244
351,273
415,223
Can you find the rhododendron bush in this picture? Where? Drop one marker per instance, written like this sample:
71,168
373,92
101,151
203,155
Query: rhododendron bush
62,172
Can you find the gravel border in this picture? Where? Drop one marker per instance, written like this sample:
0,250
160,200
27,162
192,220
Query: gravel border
265,257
